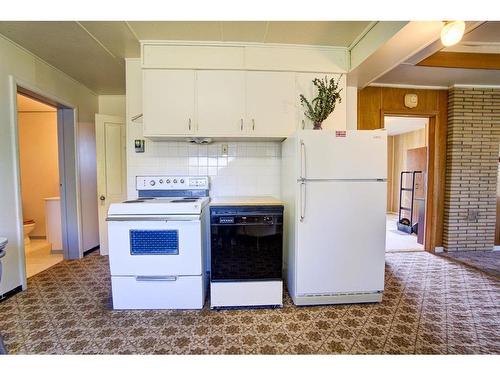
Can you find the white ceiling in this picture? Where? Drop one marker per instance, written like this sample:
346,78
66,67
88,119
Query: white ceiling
26,104
483,39
93,52
400,125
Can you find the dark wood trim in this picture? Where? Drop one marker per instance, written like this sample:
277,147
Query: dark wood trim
430,214
462,60
374,103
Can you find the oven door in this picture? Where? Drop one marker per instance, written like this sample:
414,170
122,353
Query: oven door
155,246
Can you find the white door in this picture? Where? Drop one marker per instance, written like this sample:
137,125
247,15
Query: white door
270,98
111,169
220,102
354,154
341,238
168,102
304,85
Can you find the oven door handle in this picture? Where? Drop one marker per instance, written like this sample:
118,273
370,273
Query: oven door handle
156,278
154,218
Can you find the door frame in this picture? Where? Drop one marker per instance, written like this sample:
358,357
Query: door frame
432,187
67,130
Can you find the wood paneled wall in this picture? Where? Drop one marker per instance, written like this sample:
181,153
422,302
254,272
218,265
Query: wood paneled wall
376,102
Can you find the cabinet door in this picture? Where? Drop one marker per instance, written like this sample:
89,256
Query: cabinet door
168,102
304,86
270,98
220,102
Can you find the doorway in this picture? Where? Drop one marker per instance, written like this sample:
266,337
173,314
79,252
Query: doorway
39,175
407,160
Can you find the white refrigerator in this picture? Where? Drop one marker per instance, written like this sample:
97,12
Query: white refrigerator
334,189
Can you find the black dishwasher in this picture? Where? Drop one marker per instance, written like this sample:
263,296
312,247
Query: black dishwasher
246,243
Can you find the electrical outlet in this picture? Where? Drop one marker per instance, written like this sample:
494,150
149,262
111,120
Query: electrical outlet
224,149
139,145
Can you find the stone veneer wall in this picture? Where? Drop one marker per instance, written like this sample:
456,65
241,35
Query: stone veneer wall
471,169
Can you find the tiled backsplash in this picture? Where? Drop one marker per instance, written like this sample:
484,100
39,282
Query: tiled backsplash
248,168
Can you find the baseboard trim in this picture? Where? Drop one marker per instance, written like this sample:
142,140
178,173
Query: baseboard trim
56,252
439,249
10,293
87,252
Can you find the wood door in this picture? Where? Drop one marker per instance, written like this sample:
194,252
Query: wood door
168,102
111,169
497,234
416,160
221,103
270,103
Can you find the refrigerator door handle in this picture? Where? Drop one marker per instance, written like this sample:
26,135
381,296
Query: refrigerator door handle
302,200
302,160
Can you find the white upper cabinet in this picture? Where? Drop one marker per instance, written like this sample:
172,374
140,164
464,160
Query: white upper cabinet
337,119
230,103
270,103
221,102
168,102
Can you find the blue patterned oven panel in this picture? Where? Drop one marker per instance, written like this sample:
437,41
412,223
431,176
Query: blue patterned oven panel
154,242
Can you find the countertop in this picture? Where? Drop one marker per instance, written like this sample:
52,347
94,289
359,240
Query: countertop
264,200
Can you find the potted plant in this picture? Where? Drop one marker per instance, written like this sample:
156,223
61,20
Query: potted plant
323,104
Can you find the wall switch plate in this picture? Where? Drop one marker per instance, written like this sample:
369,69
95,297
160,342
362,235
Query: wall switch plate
224,149
139,145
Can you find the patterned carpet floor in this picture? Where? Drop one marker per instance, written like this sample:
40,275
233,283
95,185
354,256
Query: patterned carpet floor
431,305
486,261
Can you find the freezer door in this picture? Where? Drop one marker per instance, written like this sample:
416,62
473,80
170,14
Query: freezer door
356,154
341,237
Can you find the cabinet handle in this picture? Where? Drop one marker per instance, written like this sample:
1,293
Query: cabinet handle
241,124
189,124
303,124
253,124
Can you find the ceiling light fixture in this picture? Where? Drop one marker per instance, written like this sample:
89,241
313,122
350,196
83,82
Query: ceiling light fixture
452,32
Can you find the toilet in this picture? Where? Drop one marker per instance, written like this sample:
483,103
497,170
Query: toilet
28,226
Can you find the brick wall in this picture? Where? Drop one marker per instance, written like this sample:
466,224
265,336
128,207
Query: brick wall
471,169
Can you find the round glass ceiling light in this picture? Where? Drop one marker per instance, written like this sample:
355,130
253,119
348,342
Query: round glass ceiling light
452,32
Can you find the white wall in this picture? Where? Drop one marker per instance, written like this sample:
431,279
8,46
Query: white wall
113,105
36,73
250,168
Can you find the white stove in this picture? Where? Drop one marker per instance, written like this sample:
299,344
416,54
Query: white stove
157,244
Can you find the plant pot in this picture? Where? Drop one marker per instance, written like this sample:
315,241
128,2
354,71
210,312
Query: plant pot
317,126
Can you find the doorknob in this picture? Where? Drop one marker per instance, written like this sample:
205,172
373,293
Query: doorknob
102,197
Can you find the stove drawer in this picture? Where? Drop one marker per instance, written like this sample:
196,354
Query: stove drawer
158,292
155,247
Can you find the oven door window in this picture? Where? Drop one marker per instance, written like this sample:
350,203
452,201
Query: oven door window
154,242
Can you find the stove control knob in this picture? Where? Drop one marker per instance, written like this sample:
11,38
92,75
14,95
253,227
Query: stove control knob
182,181
152,183
175,181
161,181
168,181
